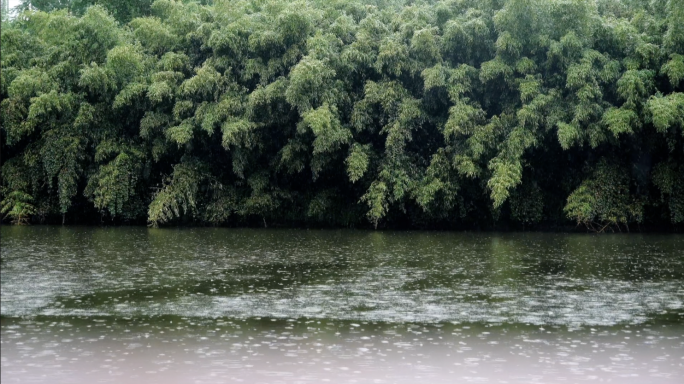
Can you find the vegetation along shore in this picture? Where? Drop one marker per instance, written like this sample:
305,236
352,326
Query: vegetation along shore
344,113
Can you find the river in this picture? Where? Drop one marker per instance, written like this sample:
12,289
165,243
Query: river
215,305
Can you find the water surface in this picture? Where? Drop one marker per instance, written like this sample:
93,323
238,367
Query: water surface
147,305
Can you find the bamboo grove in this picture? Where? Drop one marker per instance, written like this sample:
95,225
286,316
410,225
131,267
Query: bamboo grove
386,113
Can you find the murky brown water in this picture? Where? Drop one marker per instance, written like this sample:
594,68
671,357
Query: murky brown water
138,305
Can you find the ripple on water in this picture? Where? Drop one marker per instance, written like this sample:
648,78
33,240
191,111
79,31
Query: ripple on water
350,275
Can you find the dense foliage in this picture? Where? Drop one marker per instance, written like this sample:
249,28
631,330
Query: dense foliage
454,113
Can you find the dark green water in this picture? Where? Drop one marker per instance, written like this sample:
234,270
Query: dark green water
224,305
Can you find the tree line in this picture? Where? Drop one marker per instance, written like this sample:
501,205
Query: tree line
382,113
